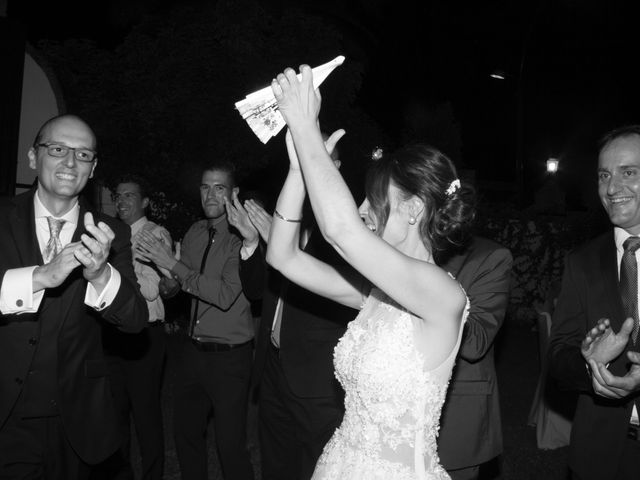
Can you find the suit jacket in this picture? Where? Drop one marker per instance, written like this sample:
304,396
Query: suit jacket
589,292
311,325
470,426
83,396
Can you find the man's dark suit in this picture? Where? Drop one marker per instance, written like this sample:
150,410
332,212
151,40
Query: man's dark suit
590,292
470,427
84,400
311,327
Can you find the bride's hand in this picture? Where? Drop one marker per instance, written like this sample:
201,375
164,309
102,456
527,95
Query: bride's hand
330,144
298,101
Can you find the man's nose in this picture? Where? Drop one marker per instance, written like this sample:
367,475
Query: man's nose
70,159
614,185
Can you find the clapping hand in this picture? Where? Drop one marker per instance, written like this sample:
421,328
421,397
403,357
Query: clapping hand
239,218
602,344
259,217
154,250
52,274
94,252
608,385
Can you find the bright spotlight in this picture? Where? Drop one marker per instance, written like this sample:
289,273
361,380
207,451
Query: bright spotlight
552,165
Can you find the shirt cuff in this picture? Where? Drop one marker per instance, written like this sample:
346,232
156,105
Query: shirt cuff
246,252
102,301
16,292
180,271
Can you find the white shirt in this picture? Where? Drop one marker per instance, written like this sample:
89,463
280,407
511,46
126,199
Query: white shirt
16,291
147,276
621,236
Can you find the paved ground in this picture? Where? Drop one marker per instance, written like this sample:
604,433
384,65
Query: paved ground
518,367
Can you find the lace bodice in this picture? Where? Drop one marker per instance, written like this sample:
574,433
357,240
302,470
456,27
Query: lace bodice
392,404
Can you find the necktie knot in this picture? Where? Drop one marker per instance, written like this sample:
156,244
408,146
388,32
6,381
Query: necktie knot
631,244
55,225
53,245
212,232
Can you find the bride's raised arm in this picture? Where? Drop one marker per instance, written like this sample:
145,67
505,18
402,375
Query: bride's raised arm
283,249
407,275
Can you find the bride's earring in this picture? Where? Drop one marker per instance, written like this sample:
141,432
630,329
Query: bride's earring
412,221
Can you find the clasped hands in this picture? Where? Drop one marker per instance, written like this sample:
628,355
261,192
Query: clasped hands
600,347
92,252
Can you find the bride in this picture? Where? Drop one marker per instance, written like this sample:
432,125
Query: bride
395,359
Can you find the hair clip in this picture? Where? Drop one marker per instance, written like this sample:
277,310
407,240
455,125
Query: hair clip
376,154
453,187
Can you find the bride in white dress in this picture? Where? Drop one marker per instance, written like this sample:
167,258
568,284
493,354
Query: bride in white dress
395,359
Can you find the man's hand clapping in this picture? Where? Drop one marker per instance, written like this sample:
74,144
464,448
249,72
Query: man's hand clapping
602,344
239,218
600,347
95,248
152,249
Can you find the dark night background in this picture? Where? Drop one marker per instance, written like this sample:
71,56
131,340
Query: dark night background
157,80
415,70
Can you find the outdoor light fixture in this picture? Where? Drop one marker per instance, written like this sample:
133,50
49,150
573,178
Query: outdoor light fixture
552,165
498,75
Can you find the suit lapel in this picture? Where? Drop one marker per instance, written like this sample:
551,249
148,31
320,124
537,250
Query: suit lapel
608,272
23,229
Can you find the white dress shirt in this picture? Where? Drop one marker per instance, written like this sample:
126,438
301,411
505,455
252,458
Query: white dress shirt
16,291
620,236
148,277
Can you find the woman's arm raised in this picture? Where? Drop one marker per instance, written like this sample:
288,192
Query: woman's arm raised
283,249
419,286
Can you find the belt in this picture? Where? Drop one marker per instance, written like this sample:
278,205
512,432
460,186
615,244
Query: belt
633,432
157,323
218,347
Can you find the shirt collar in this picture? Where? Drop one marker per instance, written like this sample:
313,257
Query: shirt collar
41,211
620,235
138,224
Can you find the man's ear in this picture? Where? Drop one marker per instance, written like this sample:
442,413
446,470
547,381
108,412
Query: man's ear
235,191
145,202
33,160
95,164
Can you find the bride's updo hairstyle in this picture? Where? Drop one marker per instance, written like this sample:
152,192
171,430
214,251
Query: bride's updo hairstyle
430,175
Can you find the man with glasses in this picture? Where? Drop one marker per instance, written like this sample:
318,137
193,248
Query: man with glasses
214,359
66,271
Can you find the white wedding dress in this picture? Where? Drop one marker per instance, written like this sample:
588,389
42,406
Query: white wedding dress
392,404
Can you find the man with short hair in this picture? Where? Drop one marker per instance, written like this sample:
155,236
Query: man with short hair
65,271
599,291
214,358
136,361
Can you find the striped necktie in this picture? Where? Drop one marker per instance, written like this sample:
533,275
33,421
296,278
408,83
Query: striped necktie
629,283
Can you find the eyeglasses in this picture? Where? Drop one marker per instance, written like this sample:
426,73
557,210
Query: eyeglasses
83,155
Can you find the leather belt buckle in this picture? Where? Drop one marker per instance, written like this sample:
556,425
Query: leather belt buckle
633,432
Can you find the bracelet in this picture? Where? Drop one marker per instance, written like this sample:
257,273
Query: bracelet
292,220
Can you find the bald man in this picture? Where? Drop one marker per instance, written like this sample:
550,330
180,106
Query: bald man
65,272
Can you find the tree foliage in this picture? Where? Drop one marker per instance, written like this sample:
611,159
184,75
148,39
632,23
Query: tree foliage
162,102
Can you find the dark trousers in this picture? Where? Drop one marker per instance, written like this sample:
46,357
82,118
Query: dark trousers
293,430
136,364
629,466
37,448
218,383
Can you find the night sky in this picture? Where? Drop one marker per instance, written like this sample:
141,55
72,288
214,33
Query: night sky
574,64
